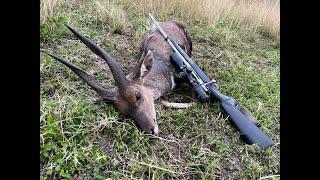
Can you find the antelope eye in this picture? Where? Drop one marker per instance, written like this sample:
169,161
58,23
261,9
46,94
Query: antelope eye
138,96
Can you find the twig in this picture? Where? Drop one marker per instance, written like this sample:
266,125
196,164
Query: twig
158,137
271,176
160,168
118,173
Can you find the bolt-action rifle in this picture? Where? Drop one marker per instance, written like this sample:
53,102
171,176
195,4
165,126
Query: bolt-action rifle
206,89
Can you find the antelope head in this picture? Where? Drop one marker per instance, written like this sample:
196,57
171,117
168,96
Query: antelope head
131,97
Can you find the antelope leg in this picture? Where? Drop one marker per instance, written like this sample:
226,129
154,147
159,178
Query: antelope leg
167,104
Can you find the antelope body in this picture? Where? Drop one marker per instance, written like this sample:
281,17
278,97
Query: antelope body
152,77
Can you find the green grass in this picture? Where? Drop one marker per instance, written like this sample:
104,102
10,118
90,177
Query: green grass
96,141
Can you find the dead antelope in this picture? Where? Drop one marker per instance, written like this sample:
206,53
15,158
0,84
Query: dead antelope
150,79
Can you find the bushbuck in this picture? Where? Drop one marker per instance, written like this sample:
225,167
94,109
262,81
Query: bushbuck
152,77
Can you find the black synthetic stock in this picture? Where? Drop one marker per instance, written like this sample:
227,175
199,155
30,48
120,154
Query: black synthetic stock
248,129
119,77
83,75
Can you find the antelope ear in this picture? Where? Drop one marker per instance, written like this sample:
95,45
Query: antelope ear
143,68
183,47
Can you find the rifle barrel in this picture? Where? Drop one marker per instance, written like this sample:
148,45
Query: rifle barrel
158,26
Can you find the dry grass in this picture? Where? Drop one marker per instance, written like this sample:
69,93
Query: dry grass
49,8
109,11
249,15
104,11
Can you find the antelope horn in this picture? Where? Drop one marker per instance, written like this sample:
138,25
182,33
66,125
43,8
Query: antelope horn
84,76
119,77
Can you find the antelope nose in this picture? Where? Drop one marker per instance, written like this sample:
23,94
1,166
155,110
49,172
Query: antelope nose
153,132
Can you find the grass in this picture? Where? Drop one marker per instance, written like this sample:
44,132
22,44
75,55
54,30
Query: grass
248,15
80,139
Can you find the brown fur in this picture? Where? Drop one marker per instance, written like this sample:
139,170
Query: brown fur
175,30
159,78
